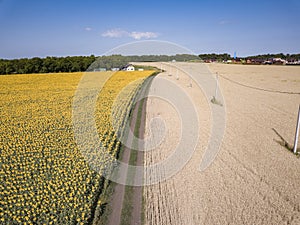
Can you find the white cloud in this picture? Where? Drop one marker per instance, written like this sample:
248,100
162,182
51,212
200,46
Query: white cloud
140,35
119,33
88,28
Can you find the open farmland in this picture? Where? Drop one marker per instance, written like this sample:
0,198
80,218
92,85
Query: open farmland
44,177
253,179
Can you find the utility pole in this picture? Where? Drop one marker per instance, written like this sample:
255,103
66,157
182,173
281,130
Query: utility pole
297,132
217,84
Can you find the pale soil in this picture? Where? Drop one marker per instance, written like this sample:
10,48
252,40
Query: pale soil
116,203
253,179
137,201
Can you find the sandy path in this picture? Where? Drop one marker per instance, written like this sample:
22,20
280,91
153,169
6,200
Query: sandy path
116,203
253,180
137,201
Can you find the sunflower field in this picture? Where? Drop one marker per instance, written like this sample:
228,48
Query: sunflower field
44,177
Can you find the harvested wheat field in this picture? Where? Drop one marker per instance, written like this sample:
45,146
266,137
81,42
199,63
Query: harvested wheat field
253,179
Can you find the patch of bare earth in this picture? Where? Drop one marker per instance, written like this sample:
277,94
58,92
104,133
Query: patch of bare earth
253,179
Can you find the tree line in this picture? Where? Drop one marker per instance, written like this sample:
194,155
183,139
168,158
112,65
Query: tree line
45,65
215,57
90,63
225,57
289,57
79,63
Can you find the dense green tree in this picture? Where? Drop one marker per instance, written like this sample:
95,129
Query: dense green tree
215,57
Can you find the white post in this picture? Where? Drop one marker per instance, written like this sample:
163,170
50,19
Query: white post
177,77
217,84
297,132
161,67
190,69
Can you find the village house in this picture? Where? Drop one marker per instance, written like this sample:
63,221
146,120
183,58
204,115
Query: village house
128,67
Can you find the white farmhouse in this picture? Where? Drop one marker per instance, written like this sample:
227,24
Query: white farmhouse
128,67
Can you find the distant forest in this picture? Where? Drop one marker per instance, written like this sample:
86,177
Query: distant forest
225,56
288,57
91,63
80,63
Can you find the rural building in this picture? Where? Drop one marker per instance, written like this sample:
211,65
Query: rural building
279,61
128,67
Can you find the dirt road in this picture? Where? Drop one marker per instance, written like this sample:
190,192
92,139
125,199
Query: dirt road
253,179
116,203
134,196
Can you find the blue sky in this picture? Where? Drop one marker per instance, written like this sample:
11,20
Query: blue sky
58,28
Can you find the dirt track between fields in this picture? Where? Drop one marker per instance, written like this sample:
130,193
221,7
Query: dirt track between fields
116,203
253,179
136,193
136,217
